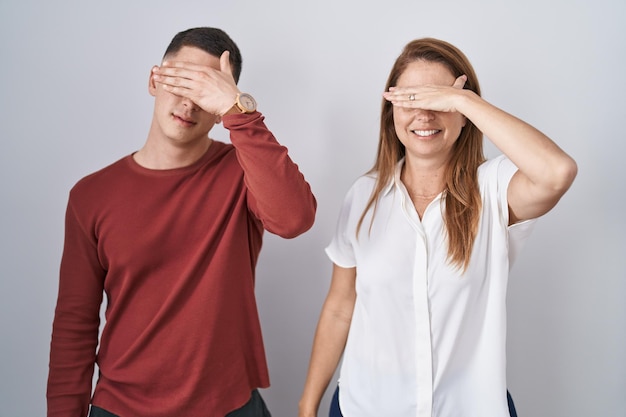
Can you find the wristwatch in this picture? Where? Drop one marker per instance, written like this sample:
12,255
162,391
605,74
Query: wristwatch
245,103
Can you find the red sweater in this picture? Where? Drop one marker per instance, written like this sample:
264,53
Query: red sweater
175,252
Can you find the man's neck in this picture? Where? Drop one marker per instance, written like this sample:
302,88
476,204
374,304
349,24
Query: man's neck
159,156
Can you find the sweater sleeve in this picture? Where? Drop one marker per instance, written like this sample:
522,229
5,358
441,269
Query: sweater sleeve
76,323
278,194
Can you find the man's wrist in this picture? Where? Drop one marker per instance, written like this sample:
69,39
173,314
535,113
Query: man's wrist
245,103
233,110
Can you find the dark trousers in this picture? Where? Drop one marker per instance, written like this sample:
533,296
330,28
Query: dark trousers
336,412
255,407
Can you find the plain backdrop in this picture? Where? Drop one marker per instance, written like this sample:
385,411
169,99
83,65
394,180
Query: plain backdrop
73,98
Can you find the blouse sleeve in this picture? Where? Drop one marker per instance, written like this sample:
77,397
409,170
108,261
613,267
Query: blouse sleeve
518,233
341,247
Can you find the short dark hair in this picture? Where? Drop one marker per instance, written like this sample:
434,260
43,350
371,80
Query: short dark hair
212,41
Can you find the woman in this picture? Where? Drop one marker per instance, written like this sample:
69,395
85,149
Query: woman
423,247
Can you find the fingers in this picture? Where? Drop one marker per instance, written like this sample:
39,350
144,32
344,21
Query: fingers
169,70
396,93
190,71
171,76
176,84
413,92
183,75
188,67
185,65
403,96
183,70
427,97
210,87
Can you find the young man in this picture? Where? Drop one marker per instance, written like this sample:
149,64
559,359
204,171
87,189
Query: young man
171,234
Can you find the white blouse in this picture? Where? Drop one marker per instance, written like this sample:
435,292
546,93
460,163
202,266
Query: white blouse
426,340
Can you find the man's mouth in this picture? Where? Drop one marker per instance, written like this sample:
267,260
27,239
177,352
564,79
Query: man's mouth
184,120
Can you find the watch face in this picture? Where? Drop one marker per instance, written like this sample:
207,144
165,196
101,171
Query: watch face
247,102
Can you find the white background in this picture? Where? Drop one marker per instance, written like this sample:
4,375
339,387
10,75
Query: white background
73,98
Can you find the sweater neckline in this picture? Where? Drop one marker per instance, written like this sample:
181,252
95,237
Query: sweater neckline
207,156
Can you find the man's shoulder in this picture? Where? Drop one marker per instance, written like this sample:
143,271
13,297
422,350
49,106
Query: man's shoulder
220,149
104,177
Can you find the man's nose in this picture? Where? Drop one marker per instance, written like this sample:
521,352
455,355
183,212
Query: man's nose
189,104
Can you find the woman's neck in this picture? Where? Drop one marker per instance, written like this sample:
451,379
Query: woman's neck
424,180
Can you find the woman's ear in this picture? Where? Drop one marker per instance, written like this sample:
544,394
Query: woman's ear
151,83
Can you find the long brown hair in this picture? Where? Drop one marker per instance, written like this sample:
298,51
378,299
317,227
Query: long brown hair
461,193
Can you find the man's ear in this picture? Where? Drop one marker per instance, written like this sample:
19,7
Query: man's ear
152,88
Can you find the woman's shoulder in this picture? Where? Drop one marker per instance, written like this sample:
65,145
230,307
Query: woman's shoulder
491,163
497,167
363,185
366,180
